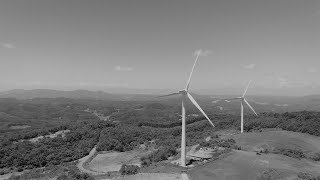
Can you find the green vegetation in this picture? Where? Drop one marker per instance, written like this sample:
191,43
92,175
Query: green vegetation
316,157
66,171
73,175
123,137
303,175
270,174
304,122
161,154
294,153
129,169
83,135
152,121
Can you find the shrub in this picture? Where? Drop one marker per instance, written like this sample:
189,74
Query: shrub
2,172
74,175
307,176
236,147
316,157
226,143
294,153
62,177
20,169
266,151
145,161
161,154
270,174
129,169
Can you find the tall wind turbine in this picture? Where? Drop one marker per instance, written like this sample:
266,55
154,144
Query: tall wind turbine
242,102
185,93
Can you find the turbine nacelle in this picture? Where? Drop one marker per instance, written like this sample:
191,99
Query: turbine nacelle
243,99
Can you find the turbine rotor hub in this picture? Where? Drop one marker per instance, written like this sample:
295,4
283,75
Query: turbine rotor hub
183,91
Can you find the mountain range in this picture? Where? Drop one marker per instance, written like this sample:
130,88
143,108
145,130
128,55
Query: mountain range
49,93
260,103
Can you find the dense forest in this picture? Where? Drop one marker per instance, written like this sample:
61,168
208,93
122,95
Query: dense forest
77,143
137,123
304,122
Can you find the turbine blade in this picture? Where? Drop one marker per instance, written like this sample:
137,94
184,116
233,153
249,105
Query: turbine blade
197,105
247,88
194,64
172,94
250,106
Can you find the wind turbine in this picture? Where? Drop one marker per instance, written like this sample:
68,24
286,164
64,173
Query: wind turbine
243,100
185,93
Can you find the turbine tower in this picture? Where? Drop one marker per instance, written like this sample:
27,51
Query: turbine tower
243,100
185,93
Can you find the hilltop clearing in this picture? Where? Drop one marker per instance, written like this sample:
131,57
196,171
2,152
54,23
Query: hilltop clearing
241,165
277,139
260,157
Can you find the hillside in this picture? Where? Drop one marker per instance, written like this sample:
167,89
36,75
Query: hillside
126,125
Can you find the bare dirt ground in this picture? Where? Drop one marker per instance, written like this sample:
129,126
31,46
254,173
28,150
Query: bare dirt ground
20,127
7,176
62,133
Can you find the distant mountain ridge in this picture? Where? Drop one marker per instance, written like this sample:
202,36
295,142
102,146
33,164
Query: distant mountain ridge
49,93
209,102
121,96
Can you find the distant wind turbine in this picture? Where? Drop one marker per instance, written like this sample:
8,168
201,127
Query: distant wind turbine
185,93
243,100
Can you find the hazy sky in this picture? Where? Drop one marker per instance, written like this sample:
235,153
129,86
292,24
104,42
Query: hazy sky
98,44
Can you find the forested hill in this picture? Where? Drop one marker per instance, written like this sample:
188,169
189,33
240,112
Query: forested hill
130,124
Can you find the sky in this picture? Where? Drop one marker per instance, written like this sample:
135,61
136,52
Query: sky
150,44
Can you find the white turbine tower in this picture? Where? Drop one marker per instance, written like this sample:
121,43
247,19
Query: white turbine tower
185,93
243,100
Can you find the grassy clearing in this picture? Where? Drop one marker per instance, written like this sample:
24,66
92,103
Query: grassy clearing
248,165
242,165
276,140
112,161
